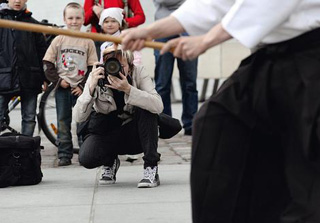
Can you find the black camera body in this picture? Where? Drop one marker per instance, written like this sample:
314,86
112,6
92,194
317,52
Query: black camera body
112,67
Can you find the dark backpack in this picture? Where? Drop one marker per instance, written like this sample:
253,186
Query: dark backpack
20,160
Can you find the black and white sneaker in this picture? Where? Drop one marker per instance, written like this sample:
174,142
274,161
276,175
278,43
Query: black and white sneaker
150,178
109,173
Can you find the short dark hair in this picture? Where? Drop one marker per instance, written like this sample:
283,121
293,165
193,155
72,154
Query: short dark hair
74,5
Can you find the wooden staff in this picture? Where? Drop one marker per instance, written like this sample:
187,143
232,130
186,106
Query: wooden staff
67,32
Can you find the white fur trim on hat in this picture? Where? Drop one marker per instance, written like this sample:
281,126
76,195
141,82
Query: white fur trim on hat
115,13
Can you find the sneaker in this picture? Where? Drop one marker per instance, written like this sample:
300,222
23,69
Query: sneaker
150,178
64,161
109,173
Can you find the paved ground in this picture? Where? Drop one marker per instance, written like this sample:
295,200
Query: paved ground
72,194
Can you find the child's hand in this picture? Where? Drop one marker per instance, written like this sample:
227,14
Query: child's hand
44,86
120,84
97,9
76,91
64,84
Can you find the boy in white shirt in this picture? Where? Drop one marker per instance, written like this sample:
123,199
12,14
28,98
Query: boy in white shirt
67,62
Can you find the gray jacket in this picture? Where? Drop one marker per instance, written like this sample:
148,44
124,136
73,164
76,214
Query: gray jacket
165,7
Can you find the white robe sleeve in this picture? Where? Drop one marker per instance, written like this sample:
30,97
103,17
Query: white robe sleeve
249,21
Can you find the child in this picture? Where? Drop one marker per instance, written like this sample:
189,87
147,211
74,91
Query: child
67,61
21,69
112,23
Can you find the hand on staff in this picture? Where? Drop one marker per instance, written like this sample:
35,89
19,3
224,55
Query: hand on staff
186,48
133,39
189,48
96,74
120,84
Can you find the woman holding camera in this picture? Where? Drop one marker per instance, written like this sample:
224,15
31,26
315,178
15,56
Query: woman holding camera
121,117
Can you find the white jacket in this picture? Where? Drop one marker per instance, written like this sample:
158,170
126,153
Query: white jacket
142,94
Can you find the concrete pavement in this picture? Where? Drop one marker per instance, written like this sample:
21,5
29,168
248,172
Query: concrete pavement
73,194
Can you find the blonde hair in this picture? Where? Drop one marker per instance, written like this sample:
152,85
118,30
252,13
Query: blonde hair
73,5
119,54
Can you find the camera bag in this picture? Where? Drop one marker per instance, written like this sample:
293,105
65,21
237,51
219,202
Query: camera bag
20,160
168,126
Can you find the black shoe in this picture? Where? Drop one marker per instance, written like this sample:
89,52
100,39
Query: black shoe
109,173
150,178
188,132
64,162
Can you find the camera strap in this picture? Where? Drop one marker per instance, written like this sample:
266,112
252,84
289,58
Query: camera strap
118,97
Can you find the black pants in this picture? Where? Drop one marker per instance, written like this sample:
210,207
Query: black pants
256,143
137,136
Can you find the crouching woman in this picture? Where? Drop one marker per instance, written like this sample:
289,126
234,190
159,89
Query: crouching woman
122,118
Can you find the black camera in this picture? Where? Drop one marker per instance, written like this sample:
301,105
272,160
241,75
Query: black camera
112,67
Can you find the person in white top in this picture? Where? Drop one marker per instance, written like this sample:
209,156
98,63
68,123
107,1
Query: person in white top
67,64
121,113
112,23
255,152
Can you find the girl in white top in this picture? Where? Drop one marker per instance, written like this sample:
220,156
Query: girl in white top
112,23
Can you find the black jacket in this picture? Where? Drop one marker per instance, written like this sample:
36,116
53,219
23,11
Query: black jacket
21,54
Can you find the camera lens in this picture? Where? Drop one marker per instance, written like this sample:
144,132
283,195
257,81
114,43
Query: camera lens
112,66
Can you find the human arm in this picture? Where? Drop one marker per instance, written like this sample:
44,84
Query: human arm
248,21
139,16
83,106
52,75
144,94
97,9
189,48
120,84
89,15
41,47
133,39
82,109
50,72
251,21
49,61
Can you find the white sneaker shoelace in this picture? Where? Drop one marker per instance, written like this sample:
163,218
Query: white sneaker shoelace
108,172
150,173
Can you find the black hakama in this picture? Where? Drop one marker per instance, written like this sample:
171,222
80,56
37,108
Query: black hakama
256,142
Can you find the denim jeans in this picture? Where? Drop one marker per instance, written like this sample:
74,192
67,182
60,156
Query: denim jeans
28,110
188,77
64,104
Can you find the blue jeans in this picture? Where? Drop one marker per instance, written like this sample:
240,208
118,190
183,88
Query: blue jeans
64,104
28,110
188,83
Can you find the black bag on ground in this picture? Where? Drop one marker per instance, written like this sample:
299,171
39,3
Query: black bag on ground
20,160
168,126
